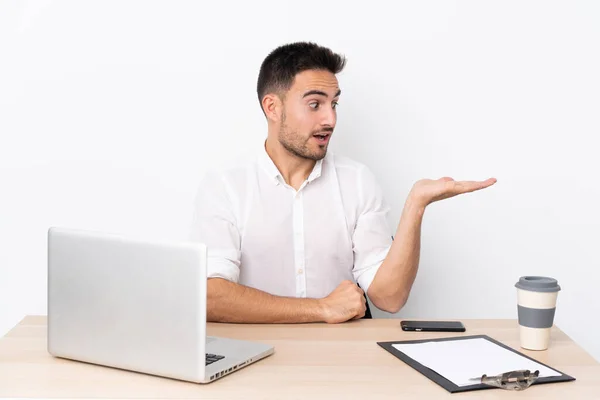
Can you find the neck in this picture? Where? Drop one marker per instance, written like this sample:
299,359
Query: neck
294,170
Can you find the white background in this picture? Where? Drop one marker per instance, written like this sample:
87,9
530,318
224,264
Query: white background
111,111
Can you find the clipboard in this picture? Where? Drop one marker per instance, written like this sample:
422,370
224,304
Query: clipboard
451,386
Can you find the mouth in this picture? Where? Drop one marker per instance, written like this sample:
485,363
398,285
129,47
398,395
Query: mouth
322,138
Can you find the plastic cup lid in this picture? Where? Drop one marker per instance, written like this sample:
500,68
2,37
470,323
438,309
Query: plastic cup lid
538,284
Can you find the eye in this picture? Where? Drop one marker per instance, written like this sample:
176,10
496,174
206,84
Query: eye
334,105
314,105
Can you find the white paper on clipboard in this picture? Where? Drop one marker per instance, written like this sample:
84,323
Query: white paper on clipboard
460,360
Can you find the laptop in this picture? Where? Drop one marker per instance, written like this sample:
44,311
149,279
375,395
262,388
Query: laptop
137,305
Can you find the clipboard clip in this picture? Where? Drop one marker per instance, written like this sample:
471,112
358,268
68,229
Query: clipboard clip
512,380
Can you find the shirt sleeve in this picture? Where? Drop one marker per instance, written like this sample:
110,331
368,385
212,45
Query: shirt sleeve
372,237
214,225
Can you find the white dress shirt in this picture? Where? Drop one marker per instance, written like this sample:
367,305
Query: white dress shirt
261,232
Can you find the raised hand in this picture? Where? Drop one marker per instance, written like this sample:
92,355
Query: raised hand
427,191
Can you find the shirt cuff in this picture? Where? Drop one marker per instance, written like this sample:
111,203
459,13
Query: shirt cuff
222,266
365,275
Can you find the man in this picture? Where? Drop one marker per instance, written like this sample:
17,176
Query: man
292,232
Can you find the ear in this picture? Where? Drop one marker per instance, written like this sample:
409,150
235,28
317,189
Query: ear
272,106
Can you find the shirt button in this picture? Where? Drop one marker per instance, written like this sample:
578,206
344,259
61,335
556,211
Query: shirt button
300,271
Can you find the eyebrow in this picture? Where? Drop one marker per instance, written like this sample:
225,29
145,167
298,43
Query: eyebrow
320,93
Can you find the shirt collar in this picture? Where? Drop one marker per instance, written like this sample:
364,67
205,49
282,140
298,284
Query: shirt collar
271,170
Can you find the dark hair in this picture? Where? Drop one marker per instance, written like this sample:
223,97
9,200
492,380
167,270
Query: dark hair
280,67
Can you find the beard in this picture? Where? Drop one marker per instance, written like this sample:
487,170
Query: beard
299,146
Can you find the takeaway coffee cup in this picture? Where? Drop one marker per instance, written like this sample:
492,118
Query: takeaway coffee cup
536,304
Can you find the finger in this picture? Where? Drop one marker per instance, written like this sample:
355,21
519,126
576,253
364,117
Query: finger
471,186
360,314
488,182
446,179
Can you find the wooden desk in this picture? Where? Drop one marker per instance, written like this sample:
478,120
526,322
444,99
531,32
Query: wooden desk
311,361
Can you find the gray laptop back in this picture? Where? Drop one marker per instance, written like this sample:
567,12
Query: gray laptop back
129,304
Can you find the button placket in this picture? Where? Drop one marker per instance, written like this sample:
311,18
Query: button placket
299,253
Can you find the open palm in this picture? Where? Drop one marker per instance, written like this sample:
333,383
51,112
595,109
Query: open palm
429,190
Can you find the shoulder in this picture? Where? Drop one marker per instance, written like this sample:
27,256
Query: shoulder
358,183
352,171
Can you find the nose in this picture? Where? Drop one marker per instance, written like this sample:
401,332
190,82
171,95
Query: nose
329,118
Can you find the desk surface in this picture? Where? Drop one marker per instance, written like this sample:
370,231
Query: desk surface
310,361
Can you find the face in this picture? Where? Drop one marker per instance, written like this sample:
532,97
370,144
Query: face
308,115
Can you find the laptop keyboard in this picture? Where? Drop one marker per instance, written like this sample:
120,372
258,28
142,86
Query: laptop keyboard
211,358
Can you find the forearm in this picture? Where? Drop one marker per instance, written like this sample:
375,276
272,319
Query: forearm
232,302
394,279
